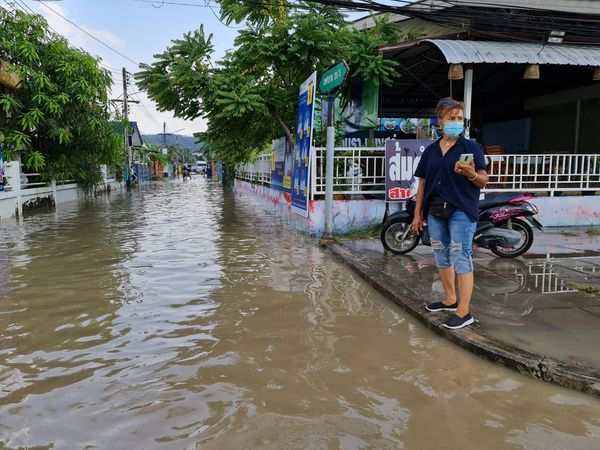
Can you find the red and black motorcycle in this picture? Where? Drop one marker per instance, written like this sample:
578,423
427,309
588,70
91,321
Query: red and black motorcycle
504,226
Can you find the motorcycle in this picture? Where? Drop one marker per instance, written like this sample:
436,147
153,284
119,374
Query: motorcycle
504,226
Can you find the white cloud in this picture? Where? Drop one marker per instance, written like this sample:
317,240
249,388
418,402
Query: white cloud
76,37
149,119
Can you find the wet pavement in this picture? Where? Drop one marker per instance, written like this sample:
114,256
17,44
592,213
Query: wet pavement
183,316
534,302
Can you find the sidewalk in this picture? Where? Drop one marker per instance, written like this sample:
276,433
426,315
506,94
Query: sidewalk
532,312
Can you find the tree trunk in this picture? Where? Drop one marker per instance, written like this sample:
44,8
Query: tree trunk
278,118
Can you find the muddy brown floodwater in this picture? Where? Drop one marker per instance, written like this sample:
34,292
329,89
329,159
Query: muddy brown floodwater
183,316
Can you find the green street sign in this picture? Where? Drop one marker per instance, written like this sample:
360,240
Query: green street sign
333,77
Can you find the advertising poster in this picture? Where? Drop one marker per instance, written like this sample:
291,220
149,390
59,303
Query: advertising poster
420,128
281,165
304,132
1,170
362,112
402,158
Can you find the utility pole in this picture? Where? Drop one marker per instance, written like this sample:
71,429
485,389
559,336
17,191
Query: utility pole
328,230
174,133
125,128
330,82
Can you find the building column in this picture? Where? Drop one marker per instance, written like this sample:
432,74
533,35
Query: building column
468,100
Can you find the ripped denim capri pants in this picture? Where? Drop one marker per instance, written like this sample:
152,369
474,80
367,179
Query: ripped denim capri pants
452,241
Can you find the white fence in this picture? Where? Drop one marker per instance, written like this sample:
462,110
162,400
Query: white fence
21,188
258,171
361,171
355,170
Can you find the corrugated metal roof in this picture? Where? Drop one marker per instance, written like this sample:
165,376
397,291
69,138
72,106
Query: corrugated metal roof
475,52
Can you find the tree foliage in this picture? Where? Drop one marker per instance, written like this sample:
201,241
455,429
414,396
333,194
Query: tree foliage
149,153
58,116
251,96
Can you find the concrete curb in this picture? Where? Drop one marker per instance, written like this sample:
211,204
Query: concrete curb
413,300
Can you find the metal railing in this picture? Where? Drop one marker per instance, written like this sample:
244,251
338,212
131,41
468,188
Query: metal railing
546,173
356,170
32,181
362,171
548,281
257,171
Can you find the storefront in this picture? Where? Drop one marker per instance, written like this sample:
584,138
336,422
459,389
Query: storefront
519,97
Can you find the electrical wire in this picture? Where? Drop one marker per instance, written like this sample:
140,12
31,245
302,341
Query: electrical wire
219,19
89,34
300,6
484,21
500,4
533,21
164,2
144,109
24,7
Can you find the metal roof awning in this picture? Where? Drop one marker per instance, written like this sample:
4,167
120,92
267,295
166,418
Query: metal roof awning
497,76
479,52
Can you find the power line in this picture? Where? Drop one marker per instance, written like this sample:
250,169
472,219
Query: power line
145,110
485,22
250,2
89,34
24,7
162,3
501,4
219,19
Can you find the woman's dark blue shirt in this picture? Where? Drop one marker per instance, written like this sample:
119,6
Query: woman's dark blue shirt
442,181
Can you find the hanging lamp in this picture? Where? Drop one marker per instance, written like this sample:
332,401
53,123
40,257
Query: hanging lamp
456,72
532,72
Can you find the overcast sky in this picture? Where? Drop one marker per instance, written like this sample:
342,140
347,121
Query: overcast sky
138,29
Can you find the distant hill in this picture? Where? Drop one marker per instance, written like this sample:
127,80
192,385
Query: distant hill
182,141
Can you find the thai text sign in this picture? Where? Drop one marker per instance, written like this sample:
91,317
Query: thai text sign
304,133
402,158
1,171
333,77
281,165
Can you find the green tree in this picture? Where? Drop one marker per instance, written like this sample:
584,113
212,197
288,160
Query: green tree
58,116
251,96
149,153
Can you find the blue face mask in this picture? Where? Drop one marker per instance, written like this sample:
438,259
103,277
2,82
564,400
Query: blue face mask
453,129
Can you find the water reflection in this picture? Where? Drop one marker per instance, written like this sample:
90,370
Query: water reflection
183,316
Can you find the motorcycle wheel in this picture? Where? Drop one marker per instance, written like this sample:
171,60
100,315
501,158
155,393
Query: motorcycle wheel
398,237
526,240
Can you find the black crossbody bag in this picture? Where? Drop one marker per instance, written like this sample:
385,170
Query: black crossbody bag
441,209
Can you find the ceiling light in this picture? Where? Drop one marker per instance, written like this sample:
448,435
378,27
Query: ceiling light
456,72
532,72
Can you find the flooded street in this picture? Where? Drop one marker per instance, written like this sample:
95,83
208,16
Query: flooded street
183,316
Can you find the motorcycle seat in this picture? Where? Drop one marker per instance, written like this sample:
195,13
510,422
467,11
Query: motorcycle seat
500,198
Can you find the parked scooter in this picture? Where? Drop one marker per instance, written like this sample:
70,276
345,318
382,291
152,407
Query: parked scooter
504,226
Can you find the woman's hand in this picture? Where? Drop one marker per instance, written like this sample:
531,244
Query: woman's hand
467,170
417,224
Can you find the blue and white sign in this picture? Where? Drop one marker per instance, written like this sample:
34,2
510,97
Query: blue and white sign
282,165
304,134
1,171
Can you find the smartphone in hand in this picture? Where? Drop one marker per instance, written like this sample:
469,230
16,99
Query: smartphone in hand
465,159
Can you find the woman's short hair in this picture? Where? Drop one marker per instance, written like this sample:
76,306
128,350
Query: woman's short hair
446,104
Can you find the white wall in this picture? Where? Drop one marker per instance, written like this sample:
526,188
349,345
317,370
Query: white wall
350,215
12,201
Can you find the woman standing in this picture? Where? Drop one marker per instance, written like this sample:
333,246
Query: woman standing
448,199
